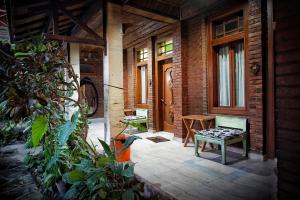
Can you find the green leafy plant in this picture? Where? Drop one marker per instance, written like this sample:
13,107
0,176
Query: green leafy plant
37,86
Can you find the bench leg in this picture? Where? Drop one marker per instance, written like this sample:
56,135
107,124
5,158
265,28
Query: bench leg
196,147
223,150
245,154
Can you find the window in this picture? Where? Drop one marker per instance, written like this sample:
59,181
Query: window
141,85
142,55
232,24
165,47
227,69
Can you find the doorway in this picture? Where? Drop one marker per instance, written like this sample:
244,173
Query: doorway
165,96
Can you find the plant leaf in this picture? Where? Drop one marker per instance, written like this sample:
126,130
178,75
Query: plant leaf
74,118
71,193
3,106
64,131
84,165
128,172
128,195
106,148
21,55
74,176
102,193
128,142
105,160
38,129
67,129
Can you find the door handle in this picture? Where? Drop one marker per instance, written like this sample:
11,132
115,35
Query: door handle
163,101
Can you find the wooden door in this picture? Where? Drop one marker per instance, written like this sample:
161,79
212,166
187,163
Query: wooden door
167,98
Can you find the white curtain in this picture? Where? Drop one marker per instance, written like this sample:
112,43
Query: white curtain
239,74
224,76
143,85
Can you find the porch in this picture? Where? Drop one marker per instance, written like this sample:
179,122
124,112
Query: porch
174,169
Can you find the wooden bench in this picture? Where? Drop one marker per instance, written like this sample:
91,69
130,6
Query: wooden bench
141,117
229,130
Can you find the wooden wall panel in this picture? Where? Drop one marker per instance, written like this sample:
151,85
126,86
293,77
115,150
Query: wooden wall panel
287,96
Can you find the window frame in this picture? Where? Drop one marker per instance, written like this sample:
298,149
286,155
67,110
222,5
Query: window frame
138,55
138,66
164,55
138,87
213,93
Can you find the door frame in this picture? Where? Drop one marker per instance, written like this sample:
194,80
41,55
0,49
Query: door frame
159,93
270,98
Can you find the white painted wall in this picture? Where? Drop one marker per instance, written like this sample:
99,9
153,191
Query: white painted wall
75,62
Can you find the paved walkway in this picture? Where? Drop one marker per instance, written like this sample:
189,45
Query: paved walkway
175,170
16,181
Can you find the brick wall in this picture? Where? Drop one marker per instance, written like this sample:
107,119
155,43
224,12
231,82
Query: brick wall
151,76
197,69
125,79
191,70
255,81
196,66
129,79
145,36
180,82
97,78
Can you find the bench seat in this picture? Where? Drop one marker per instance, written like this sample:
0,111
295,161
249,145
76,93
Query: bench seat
229,130
141,117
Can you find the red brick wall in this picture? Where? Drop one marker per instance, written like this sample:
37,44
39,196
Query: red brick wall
255,81
129,79
197,69
180,86
97,79
151,75
133,39
191,68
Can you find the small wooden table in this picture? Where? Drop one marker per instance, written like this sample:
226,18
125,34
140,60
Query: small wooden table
189,121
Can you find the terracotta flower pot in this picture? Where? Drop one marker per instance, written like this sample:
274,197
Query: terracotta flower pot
123,156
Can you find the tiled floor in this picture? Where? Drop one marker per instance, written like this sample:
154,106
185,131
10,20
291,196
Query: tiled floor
96,130
174,169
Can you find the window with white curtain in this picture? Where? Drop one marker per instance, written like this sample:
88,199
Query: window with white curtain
231,75
143,85
224,76
239,73
227,64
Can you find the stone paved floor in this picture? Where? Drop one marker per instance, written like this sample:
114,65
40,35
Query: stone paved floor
175,170
16,181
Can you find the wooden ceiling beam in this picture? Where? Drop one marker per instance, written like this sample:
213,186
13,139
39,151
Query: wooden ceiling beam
79,23
54,14
93,8
152,15
29,27
74,39
28,34
26,21
8,8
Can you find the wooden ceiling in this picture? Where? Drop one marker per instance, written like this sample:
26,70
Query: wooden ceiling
170,8
34,17
29,18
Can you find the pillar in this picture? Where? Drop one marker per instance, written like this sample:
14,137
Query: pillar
113,73
75,62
